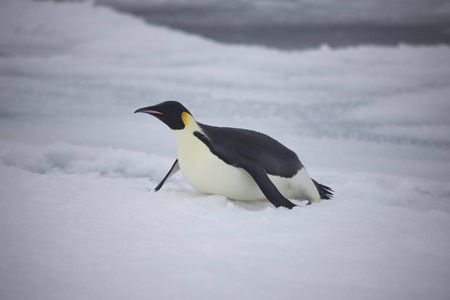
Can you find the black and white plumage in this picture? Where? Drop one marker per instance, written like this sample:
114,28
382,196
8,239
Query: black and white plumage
237,163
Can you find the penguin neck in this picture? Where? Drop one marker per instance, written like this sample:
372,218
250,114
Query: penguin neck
187,133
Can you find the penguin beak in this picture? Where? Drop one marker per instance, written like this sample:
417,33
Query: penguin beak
148,110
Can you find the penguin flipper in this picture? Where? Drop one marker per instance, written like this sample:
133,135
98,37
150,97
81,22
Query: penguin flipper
267,187
175,168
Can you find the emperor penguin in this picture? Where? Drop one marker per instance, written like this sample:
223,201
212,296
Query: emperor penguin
236,163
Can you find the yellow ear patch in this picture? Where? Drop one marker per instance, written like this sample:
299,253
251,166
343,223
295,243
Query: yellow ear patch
185,117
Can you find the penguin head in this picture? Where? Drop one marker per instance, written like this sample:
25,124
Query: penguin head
172,113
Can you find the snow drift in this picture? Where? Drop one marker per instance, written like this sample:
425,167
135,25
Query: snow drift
78,218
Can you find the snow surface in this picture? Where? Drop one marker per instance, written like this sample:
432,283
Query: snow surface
79,219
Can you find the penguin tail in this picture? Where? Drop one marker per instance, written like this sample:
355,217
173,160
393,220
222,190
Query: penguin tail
325,192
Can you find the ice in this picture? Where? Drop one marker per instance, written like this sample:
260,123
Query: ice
78,215
291,12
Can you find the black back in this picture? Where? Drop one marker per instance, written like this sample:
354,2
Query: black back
234,146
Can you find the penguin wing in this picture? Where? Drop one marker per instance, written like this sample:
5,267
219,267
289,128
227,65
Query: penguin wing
175,168
267,187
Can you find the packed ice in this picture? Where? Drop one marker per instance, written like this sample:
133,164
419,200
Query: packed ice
78,215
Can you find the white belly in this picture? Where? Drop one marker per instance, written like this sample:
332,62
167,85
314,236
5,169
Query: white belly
208,174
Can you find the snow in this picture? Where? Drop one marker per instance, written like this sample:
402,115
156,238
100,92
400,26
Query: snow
79,219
